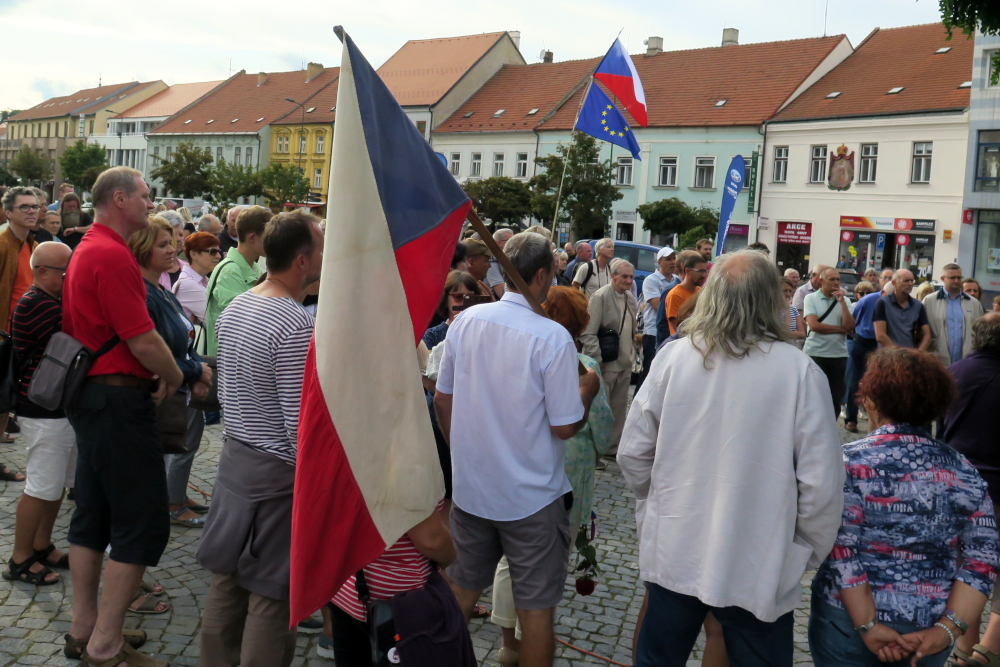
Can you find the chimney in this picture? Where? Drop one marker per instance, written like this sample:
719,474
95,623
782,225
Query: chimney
261,78
730,37
515,36
547,58
313,70
654,45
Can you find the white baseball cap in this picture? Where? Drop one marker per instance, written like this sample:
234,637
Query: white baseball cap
665,251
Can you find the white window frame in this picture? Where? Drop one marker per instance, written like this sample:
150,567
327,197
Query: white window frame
219,154
170,152
818,155
319,143
456,164
498,160
920,165
249,156
623,172
237,155
521,166
779,172
704,164
476,165
318,177
667,167
302,144
868,169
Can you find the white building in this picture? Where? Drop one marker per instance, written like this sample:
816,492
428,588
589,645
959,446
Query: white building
867,167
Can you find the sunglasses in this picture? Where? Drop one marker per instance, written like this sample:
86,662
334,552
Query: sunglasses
214,252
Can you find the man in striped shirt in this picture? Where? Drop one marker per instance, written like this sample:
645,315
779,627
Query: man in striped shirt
264,337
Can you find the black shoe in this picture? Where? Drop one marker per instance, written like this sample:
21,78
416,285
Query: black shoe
70,495
310,626
12,425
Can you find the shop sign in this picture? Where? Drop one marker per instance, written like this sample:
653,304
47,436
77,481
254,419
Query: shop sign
764,223
798,233
902,239
967,216
752,184
880,243
887,224
739,230
923,240
625,216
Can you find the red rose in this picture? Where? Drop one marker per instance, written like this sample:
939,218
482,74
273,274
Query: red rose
585,586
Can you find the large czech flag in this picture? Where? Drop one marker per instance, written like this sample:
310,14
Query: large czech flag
617,72
367,468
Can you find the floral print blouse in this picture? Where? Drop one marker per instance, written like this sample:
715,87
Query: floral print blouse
584,447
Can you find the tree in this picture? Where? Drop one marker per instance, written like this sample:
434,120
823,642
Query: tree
970,15
7,113
81,163
7,178
228,182
30,165
501,199
187,172
587,191
282,183
673,216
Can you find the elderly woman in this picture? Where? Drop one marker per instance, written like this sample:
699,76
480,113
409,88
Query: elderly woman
74,222
796,325
568,307
190,289
155,251
916,555
176,222
613,309
561,260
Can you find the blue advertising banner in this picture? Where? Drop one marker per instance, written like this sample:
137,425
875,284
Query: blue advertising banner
735,175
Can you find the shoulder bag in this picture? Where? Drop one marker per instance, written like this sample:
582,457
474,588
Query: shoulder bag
60,375
608,339
172,413
828,310
380,624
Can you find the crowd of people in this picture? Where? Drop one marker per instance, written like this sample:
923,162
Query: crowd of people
740,478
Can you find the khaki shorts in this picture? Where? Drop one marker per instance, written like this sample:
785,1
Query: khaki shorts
537,550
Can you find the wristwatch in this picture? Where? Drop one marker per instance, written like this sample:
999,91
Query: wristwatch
863,630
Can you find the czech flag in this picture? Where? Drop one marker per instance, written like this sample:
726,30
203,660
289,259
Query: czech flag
367,467
618,73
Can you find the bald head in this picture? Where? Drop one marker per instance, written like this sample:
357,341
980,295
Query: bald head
209,223
902,281
48,266
231,216
816,278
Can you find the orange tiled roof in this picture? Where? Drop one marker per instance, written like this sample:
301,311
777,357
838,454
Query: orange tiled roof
88,100
170,101
683,87
423,70
887,59
518,89
323,105
242,106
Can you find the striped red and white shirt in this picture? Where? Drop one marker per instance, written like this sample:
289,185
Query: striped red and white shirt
400,568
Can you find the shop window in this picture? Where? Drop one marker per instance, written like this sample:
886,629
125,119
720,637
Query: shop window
668,172
988,251
988,162
704,172
921,170
623,175
817,166
869,163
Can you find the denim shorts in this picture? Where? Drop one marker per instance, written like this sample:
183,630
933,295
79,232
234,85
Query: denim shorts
834,642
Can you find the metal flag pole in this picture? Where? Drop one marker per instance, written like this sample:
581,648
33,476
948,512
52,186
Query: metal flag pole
583,98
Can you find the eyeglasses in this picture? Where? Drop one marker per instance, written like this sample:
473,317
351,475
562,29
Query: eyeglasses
25,208
699,270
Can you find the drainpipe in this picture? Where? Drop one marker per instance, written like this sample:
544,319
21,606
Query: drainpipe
760,183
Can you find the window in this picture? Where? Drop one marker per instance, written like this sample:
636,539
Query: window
521,170
921,171
79,129
156,153
317,178
991,66
476,166
869,163
218,154
48,130
704,172
170,151
236,155
498,164
817,166
319,143
456,164
988,162
66,128
623,175
422,127
779,173
57,129
302,143
90,129
668,172
250,157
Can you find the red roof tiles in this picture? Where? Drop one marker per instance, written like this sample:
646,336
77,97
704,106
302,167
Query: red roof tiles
887,59
243,105
88,100
323,104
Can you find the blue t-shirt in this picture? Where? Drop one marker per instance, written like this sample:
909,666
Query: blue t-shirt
863,315
662,325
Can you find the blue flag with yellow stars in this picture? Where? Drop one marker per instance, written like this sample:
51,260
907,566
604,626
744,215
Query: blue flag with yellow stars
599,118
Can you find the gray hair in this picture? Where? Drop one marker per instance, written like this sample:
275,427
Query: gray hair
790,271
600,244
540,230
41,195
501,234
618,265
561,254
205,222
819,269
173,218
12,194
951,267
111,181
741,306
580,244
986,333
528,252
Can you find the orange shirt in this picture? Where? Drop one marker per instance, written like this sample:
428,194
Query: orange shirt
675,299
22,281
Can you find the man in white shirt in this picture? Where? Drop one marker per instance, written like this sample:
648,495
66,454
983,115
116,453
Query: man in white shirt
508,395
595,274
740,483
654,288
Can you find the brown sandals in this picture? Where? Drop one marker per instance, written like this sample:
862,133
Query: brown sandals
75,647
129,656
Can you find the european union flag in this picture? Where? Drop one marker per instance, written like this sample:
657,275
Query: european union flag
599,118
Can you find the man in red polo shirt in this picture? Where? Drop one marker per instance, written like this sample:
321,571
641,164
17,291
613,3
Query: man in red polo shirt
121,484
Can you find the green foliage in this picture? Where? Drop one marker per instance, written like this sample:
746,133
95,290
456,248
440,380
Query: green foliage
7,113
30,164
7,178
587,192
673,216
283,183
81,163
588,563
187,172
228,183
970,15
500,199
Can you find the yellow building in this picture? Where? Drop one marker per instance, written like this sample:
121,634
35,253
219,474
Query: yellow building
304,137
60,122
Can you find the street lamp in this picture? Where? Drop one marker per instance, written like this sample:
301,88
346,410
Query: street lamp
302,132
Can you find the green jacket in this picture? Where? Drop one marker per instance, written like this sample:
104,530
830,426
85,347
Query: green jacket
230,278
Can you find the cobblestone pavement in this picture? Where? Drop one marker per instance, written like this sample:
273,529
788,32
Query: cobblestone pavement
33,621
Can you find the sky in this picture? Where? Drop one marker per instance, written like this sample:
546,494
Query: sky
74,45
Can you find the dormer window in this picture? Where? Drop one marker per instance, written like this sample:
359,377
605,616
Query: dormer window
210,122
833,95
721,103
533,112
498,113
943,49
895,91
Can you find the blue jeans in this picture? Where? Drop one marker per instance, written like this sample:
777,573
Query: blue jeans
857,364
834,642
673,621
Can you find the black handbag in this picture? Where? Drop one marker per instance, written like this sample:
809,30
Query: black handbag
171,423
608,339
380,624
10,378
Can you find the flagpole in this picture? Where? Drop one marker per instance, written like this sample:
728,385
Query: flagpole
555,216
